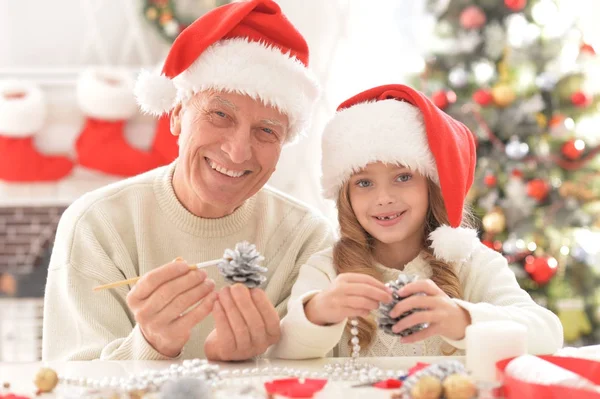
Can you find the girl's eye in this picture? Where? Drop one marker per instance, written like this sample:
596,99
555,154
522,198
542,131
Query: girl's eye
363,183
404,178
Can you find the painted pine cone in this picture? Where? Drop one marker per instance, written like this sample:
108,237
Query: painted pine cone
241,265
386,322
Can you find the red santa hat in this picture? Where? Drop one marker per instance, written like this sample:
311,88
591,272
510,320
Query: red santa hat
245,47
399,125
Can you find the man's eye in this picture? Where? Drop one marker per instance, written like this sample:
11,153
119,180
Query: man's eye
221,114
267,130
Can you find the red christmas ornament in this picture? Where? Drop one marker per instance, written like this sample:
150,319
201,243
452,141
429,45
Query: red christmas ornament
587,49
581,99
541,269
490,180
472,17
573,149
515,5
516,173
538,189
443,98
483,97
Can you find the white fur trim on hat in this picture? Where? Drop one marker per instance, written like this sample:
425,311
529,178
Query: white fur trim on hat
387,131
453,244
239,66
21,116
106,93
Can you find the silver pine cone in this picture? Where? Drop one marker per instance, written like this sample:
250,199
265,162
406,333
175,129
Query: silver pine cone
386,322
241,265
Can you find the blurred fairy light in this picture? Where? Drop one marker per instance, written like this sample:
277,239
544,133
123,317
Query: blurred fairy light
564,250
526,77
555,21
516,26
532,246
588,240
545,12
569,123
552,263
587,129
520,244
483,71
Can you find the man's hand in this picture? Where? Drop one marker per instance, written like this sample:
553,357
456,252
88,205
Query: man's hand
160,299
246,324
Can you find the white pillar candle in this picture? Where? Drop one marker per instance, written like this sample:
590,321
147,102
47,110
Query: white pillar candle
491,341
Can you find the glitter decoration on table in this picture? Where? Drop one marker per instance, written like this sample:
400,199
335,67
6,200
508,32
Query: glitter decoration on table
221,381
242,265
385,322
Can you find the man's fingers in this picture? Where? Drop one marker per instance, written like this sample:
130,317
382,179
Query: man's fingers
241,296
151,281
238,325
167,293
185,301
222,327
198,313
268,313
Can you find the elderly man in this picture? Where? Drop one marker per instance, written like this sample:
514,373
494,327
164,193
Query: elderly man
237,87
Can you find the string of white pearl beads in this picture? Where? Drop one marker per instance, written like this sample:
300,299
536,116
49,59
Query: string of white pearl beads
355,341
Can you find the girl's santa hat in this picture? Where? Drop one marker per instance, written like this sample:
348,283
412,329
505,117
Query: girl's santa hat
399,125
247,47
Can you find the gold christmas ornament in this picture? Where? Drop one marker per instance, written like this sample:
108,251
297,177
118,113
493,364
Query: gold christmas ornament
503,95
541,120
427,387
151,14
459,386
494,221
46,380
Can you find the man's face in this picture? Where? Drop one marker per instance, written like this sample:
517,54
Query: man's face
229,146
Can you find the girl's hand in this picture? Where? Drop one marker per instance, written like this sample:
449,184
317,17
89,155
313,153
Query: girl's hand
443,315
349,295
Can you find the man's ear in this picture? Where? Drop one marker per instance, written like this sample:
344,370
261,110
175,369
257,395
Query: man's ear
176,120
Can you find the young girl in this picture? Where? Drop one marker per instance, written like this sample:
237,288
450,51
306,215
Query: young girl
399,169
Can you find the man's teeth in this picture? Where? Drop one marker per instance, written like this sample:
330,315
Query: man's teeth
387,217
230,173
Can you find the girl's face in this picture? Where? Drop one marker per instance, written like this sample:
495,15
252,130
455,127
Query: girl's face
390,202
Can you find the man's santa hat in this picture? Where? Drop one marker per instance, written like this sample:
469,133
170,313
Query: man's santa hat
399,125
249,48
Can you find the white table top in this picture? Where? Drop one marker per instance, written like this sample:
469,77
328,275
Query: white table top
21,375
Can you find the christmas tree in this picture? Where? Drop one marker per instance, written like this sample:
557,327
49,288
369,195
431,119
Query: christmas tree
521,75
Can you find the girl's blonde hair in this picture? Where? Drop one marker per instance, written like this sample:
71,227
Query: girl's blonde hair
353,253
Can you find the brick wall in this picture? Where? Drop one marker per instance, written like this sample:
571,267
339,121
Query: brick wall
26,238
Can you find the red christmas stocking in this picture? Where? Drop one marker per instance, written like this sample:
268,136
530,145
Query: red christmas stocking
165,144
22,114
106,98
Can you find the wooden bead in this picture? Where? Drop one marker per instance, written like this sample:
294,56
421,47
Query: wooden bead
427,387
459,386
46,380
